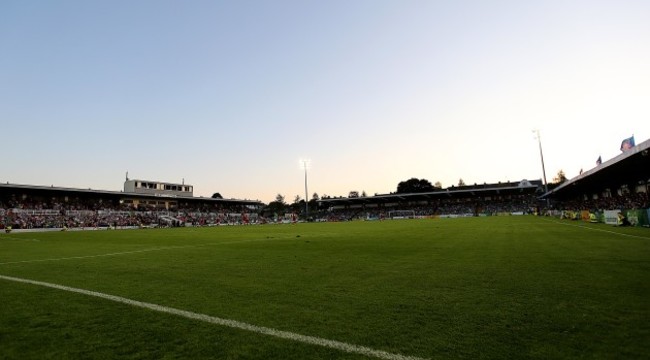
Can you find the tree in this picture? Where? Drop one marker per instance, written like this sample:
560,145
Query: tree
438,185
461,182
353,194
414,185
363,194
298,204
560,177
277,207
217,196
313,203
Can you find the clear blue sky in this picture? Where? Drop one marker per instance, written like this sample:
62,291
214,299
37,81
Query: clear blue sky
230,95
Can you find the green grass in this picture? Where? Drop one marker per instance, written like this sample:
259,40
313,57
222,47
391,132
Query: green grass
508,287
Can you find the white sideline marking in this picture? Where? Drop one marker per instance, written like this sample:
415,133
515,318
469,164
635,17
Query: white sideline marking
130,252
601,230
312,340
15,238
100,255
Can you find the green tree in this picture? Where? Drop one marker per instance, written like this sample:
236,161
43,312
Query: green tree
414,185
313,203
276,207
560,177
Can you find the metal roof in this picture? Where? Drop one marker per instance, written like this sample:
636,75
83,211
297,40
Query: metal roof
448,192
89,191
630,167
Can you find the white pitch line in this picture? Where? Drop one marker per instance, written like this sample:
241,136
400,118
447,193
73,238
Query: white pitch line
601,230
15,238
129,252
312,340
99,255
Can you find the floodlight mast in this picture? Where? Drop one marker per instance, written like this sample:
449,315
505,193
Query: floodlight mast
541,155
305,165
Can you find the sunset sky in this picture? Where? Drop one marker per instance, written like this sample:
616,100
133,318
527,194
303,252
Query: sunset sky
229,96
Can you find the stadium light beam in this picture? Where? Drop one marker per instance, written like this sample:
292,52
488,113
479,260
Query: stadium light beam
305,163
541,155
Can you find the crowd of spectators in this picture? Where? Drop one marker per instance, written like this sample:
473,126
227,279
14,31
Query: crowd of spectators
28,213
524,204
76,219
33,213
223,217
456,207
628,201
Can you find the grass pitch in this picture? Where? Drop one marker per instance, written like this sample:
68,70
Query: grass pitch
506,287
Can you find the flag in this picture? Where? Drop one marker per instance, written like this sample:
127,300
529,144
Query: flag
599,161
627,144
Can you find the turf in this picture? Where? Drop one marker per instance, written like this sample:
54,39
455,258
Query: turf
500,287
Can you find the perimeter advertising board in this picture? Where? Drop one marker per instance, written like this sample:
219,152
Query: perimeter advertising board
611,217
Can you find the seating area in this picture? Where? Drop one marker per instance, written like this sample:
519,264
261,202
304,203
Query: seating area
456,207
625,201
44,208
37,213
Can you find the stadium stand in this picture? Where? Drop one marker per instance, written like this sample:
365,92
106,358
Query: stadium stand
619,186
471,200
42,207
613,192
